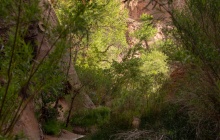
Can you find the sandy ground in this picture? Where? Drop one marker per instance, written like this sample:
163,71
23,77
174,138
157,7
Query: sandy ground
65,135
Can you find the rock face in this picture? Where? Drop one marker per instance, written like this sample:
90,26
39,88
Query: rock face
138,7
28,124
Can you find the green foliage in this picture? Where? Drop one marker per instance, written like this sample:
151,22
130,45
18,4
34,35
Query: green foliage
155,67
116,123
25,78
16,57
176,53
137,80
132,91
97,116
3,138
197,28
154,63
52,127
146,30
98,35
9,11
50,79
98,83
126,72
108,40
200,101
128,85
170,120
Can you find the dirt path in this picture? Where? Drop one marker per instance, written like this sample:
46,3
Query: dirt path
65,135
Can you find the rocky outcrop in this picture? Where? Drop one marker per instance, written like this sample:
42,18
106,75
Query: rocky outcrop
28,124
157,8
138,7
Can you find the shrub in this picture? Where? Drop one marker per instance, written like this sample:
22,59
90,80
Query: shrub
86,118
97,83
51,127
170,120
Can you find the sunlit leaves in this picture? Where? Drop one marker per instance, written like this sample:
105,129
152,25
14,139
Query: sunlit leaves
146,30
154,63
101,33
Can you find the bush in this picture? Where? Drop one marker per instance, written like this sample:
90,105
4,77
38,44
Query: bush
86,118
170,120
52,127
97,83
119,121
